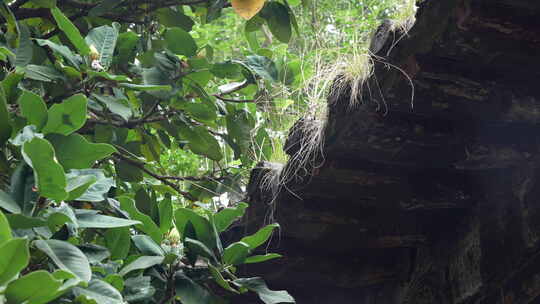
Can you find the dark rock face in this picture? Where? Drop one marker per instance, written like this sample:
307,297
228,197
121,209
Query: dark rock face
439,203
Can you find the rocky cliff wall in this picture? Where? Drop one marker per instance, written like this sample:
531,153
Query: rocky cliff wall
434,203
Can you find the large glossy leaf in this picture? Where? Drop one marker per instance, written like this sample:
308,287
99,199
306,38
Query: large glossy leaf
8,203
198,248
143,262
103,221
75,152
146,245
63,50
191,292
49,174
266,295
19,221
78,184
5,230
165,208
118,241
95,253
235,253
148,226
100,291
43,73
96,191
278,20
38,287
127,42
261,236
5,127
71,31
24,53
117,106
261,258
33,108
174,18
138,289
263,67
66,257
67,117
202,227
103,39
14,257
180,42
22,187
201,142
224,218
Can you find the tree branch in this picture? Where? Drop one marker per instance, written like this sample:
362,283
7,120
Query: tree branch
163,179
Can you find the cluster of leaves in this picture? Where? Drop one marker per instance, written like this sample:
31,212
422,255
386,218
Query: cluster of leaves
92,94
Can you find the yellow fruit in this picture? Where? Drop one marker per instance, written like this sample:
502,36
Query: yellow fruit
247,8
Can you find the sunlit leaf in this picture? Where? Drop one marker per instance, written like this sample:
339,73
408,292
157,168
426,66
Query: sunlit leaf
247,8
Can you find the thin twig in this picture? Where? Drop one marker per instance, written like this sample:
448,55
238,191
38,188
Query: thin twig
164,180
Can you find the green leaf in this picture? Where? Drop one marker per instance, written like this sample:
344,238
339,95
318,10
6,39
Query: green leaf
78,184
103,221
146,245
235,253
201,142
266,295
118,241
71,31
103,7
278,20
261,236
8,203
143,262
24,53
103,39
33,108
224,218
42,73
66,257
174,18
201,112
138,289
148,226
115,105
261,258
22,187
19,221
75,152
44,3
14,257
263,67
127,43
5,127
95,253
49,174
165,209
100,291
220,280
146,87
63,50
67,117
196,247
98,190
203,229
227,69
5,230
34,288
191,292
180,42
12,33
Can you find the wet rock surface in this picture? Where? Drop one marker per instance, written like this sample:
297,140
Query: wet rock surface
434,203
